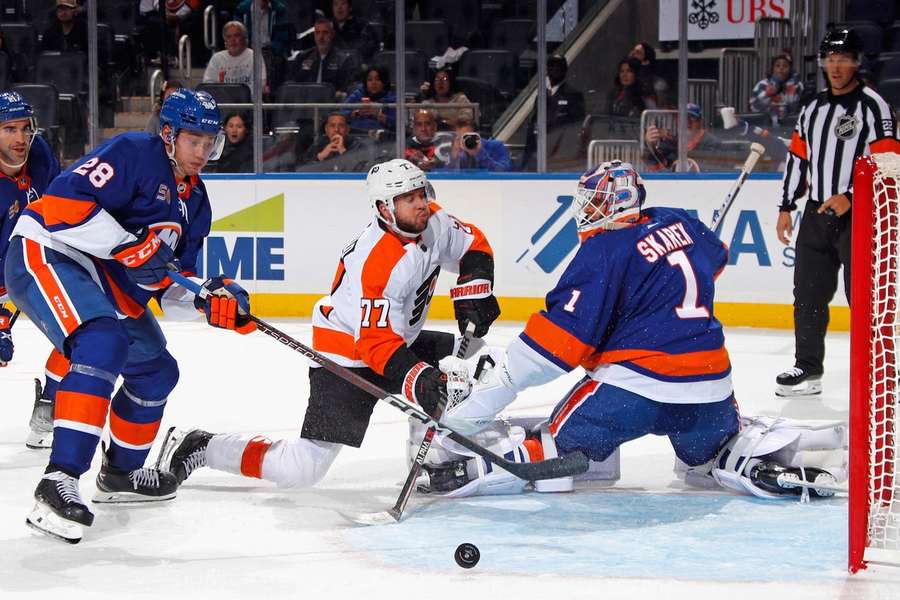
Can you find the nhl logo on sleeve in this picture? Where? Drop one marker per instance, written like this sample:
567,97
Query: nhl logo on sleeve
846,127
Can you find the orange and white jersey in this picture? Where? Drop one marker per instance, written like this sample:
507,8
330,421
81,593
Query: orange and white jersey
383,286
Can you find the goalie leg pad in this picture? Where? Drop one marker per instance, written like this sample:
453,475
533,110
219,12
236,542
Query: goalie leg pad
477,476
788,444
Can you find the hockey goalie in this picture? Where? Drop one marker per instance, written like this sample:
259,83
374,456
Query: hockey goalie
634,309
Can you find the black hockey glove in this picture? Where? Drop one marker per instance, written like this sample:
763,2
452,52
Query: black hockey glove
425,386
473,295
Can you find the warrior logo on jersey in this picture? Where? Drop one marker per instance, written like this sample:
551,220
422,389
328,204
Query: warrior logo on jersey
846,127
423,296
162,194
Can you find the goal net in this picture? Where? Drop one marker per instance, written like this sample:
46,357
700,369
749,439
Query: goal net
874,484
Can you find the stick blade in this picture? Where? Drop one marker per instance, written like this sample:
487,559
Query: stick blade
384,517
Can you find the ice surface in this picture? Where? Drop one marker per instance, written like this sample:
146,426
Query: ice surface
231,537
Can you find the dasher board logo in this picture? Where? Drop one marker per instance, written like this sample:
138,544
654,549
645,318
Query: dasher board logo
846,127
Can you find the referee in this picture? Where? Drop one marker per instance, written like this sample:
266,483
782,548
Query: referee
846,121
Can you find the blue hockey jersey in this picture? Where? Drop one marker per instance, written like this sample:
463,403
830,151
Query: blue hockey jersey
105,198
16,193
635,309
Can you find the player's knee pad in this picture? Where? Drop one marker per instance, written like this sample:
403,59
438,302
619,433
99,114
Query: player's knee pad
152,380
99,344
299,463
786,442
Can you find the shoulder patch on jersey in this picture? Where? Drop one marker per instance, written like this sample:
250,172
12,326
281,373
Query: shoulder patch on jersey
163,194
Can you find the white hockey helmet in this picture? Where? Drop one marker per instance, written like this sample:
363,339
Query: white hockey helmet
393,178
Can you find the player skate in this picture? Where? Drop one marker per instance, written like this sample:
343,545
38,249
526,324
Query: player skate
41,423
59,510
115,486
798,382
182,452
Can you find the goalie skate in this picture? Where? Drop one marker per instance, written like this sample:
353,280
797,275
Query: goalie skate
777,479
41,422
796,382
59,511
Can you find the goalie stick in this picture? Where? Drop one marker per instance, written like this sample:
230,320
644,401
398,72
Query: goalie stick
570,464
756,152
395,513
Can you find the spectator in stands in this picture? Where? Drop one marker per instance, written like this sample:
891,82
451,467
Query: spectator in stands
375,87
167,88
234,64
323,63
68,33
181,16
626,98
654,85
705,149
421,147
336,142
443,89
472,151
274,13
237,155
778,94
565,108
351,34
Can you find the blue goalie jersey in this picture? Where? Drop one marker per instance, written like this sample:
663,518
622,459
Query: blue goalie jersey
104,199
635,309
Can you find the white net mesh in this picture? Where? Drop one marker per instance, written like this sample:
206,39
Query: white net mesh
884,486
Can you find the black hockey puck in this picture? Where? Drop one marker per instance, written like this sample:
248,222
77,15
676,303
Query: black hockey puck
467,555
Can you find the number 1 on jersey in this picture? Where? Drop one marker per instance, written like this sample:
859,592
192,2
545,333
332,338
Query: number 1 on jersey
688,308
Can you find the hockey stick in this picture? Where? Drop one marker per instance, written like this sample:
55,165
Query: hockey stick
756,152
570,464
394,514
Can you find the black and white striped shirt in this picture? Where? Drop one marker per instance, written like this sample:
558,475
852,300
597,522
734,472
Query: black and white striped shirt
832,131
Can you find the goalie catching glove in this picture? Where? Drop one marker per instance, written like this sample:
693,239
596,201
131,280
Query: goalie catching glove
226,304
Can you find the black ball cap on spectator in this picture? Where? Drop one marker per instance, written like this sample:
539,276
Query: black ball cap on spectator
840,39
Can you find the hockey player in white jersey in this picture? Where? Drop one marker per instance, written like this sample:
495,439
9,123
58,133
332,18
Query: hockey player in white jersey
372,322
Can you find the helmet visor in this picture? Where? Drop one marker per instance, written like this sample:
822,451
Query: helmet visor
210,145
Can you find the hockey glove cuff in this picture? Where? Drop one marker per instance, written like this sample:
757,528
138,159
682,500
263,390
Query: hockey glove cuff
474,301
147,260
226,304
6,343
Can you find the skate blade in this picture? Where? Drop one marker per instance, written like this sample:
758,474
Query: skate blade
170,442
824,485
101,497
39,440
42,519
787,391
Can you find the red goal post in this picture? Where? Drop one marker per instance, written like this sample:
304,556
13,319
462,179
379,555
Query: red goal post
874,512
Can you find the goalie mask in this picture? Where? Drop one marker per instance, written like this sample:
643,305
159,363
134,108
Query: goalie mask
609,196
391,179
